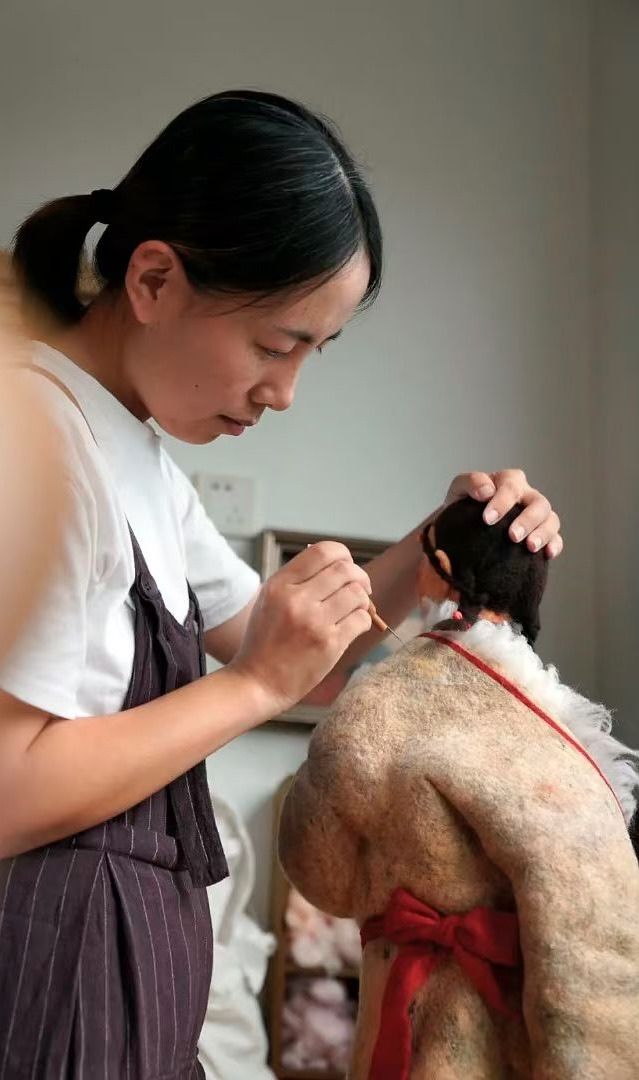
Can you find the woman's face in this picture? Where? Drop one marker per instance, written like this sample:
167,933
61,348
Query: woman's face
205,366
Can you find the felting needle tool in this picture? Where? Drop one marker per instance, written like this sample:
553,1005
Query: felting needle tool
379,623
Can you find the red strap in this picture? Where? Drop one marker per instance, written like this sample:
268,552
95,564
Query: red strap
516,692
478,940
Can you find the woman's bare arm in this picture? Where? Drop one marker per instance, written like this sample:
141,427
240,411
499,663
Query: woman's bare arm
60,776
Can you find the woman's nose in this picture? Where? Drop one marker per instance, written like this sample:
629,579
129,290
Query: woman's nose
278,392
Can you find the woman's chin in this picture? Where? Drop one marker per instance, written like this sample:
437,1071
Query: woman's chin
195,432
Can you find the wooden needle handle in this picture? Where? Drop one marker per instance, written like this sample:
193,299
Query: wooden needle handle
376,619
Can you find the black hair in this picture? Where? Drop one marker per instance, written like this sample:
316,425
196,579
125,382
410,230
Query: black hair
256,194
489,570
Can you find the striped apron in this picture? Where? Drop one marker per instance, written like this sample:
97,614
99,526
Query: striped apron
106,947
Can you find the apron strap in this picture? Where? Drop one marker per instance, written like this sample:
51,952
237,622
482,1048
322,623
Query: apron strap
189,793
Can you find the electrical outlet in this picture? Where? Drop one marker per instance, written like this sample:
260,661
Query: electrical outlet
229,502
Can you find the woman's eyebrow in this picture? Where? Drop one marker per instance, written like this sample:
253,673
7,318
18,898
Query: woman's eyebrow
304,336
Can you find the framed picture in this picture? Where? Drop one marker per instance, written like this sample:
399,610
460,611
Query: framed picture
276,547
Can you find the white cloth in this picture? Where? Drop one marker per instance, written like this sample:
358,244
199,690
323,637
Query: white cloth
75,658
233,1043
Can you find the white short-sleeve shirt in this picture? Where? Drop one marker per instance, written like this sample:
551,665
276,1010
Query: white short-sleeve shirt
76,656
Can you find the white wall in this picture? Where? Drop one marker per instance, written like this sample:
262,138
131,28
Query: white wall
615,157
474,121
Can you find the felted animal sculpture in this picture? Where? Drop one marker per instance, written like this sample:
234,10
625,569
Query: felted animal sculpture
470,812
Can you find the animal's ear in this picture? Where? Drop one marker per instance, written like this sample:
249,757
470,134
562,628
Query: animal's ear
444,562
430,585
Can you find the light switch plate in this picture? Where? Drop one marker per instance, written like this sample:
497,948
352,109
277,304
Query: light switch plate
229,501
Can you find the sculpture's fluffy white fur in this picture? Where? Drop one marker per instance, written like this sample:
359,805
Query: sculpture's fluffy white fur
502,646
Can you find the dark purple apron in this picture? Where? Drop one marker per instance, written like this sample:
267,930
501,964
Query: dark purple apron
106,947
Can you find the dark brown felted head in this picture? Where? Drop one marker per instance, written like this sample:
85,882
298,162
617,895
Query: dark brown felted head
488,570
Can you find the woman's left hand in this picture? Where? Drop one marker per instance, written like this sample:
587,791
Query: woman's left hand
538,523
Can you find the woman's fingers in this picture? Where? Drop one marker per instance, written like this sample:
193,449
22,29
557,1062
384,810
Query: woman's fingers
538,524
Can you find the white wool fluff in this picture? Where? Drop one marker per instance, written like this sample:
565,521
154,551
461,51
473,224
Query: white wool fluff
503,646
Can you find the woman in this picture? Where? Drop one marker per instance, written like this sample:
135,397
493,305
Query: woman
243,239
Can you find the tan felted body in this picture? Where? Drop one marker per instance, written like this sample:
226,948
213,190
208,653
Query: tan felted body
430,776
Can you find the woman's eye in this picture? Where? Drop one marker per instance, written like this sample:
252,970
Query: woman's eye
273,354
277,354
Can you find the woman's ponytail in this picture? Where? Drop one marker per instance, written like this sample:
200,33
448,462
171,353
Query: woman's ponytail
47,250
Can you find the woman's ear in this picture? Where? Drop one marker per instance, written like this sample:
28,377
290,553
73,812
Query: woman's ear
155,282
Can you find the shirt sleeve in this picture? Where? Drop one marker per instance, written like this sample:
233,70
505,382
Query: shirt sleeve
44,667
221,580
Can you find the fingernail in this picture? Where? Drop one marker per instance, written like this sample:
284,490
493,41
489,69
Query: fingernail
517,533
535,544
490,517
485,491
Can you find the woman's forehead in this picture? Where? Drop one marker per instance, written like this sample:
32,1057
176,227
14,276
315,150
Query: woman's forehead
321,311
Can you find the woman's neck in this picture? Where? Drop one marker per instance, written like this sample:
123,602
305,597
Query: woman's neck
96,344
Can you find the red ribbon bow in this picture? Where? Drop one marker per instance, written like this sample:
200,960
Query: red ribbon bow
478,939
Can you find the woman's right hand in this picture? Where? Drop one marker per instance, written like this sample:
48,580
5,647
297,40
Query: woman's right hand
305,617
